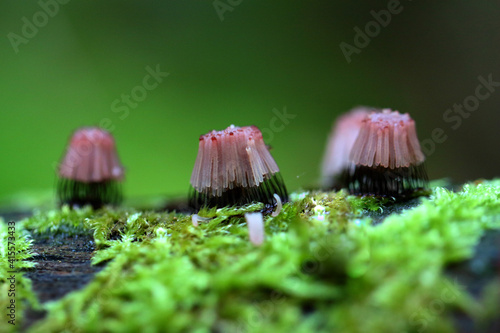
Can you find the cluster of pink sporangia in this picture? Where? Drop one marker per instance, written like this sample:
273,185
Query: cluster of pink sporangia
340,142
91,157
374,152
232,158
90,171
369,152
233,167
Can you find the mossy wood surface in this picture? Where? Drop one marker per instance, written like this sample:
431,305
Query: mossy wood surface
324,267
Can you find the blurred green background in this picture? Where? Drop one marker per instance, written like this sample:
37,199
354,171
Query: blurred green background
263,55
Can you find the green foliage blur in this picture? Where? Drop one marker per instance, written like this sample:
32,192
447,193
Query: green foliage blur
236,65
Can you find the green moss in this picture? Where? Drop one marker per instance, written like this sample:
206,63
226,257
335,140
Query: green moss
61,221
14,253
322,267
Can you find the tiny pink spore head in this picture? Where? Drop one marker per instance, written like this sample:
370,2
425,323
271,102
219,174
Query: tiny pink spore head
387,139
91,157
234,157
340,141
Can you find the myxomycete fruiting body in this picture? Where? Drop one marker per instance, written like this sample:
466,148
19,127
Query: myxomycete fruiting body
90,172
386,158
233,168
336,161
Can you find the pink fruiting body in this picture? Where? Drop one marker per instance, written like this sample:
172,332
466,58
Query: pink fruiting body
90,170
376,152
91,157
234,167
387,139
340,141
386,158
